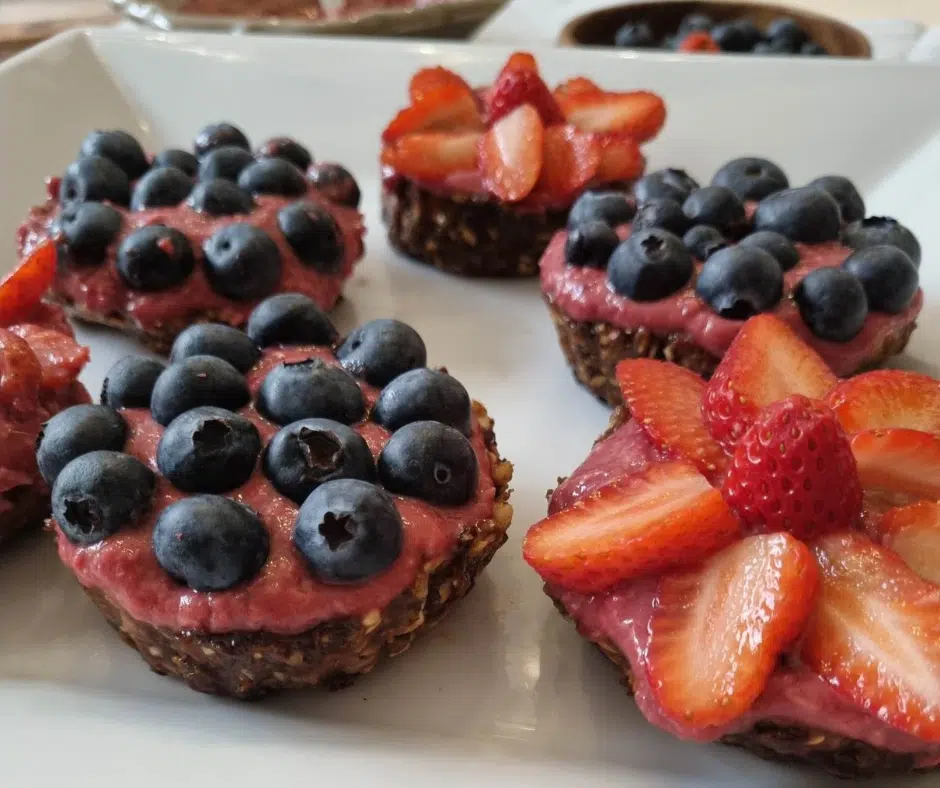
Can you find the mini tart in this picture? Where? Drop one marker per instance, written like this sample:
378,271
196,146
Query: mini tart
288,613
476,181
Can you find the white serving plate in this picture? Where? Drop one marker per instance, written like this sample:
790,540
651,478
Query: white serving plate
504,693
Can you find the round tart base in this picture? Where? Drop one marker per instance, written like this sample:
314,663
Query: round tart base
248,665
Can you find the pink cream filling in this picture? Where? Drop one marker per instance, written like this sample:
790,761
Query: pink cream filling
284,597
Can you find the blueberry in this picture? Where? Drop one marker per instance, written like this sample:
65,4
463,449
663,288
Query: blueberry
76,431
210,543
611,207
843,191
121,148
670,184
242,262
381,350
162,187
635,35
777,245
430,461
87,229
155,257
740,282
650,265
663,213
308,453
194,382
220,197
738,35
287,149
879,230
751,178
290,319
226,163
313,235
273,176
813,49
95,179
806,215
219,340
832,303
423,395
703,241
695,23
888,275
208,450
773,47
99,493
336,183
129,383
310,389
349,531
590,245
788,32
219,135
181,159
716,206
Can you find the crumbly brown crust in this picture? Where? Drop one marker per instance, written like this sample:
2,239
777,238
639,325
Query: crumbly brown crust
250,664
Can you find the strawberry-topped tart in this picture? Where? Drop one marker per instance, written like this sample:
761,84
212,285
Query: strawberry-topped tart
476,181
153,244
758,554
277,508
674,271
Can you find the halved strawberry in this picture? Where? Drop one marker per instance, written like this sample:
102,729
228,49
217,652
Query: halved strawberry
569,160
887,398
447,107
520,61
717,631
517,87
577,86
913,532
666,399
874,635
511,154
23,288
428,80
698,41
667,516
638,113
434,154
766,363
621,158
61,358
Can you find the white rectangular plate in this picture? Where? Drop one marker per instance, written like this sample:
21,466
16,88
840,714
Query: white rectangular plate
504,693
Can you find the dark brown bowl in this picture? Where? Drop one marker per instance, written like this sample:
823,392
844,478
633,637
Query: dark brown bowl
599,27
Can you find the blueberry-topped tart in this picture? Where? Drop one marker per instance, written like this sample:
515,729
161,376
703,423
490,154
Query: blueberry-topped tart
279,507
672,270
153,244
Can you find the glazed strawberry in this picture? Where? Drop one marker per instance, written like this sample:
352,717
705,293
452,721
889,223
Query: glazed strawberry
639,113
570,159
794,471
447,107
665,398
520,61
428,80
621,159
60,358
577,86
23,288
434,155
874,635
887,398
699,41
517,87
20,375
665,517
765,363
913,532
897,467
718,631
511,154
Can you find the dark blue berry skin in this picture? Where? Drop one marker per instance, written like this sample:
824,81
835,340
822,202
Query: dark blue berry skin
381,350
806,215
751,178
99,493
219,135
130,382
87,230
843,191
813,49
121,148
313,235
423,395
76,431
208,450
210,543
888,275
703,241
611,207
335,182
290,319
774,47
882,230
738,35
273,176
310,389
94,179
162,187
662,213
832,303
590,245
194,382
777,245
242,262
181,159
635,35
670,184
287,149
695,23
311,452
227,163
219,340
740,282
650,265
787,30
348,531
718,207
155,257
220,197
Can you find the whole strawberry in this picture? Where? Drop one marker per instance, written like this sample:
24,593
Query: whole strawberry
793,470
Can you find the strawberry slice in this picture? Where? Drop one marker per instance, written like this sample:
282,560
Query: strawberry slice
666,398
23,288
897,467
621,159
667,516
511,154
434,154
766,363
875,634
570,159
60,357
887,398
447,107
577,86
913,532
717,631
427,81
638,113
520,61
698,41
517,87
